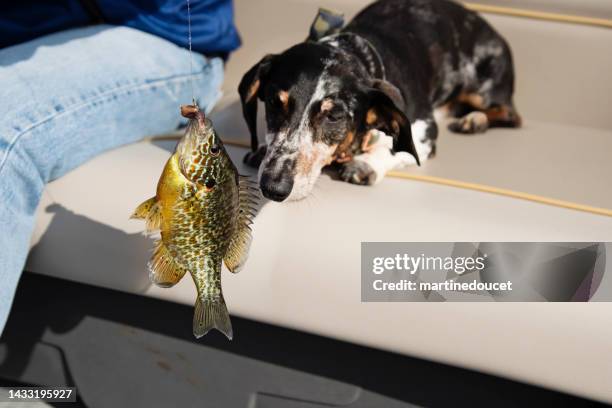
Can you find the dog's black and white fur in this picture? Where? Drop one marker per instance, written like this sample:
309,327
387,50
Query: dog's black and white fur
365,97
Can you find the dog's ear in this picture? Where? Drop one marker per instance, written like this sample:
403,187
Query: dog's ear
391,91
383,113
249,89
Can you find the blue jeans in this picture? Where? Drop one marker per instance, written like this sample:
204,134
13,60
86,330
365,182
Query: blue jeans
69,96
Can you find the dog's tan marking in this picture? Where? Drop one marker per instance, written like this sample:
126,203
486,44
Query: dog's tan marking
503,114
283,96
252,90
306,161
343,153
395,126
365,142
326,105
371,117
473,99
343,158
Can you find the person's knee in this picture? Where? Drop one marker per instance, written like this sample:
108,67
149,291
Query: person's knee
21,181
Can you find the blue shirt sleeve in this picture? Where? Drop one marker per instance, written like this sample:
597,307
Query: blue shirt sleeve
25,20
212,21
212,25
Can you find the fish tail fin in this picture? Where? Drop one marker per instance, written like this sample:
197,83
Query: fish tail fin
211,314
240,244
150,212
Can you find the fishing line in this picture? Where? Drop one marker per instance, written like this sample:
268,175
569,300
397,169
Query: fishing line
190,53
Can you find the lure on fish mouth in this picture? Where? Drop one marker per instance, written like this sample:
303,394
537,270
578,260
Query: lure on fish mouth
203,210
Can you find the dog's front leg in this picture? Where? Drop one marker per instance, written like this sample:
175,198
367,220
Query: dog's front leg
255,158
371,166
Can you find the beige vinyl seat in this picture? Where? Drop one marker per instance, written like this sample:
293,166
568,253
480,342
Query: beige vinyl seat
304,271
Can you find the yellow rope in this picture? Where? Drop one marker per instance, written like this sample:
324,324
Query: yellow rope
503,192
467,186
539,15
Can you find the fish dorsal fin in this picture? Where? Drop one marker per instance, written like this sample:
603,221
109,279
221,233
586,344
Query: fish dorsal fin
238,249
163,269
150,212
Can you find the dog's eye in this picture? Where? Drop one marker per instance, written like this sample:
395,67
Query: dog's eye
275,102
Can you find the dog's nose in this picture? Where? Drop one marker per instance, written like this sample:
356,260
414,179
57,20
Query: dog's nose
275,188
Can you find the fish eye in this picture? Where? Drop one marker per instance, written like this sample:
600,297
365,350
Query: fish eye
215,150
210,184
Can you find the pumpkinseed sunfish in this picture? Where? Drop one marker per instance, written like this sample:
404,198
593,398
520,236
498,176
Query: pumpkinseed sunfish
203,210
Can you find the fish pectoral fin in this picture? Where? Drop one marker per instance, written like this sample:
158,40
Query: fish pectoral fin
163,269
149,211
238,249
211,314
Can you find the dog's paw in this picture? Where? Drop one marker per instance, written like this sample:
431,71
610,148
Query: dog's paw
405,159
255,158
358,172
474,122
